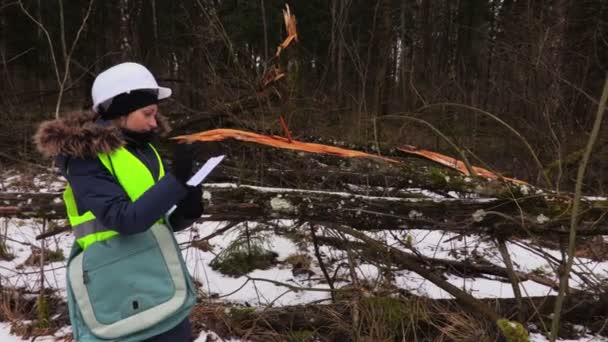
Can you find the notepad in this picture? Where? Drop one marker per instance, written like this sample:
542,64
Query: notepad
205,170
199,177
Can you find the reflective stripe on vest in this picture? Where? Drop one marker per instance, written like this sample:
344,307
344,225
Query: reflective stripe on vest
134,177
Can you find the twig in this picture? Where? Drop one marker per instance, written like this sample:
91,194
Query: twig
564,277
219,231
413,265
53,232
235,291
48,38
521,137
320,260
458,150
297,288
506,258
21,160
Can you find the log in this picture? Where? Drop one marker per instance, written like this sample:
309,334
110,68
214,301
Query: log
28,205
474,306
493,217
465,268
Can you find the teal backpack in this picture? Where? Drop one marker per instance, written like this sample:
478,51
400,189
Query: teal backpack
128,288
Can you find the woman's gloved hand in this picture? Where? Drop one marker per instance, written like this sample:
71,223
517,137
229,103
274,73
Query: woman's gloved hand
191,206
183,161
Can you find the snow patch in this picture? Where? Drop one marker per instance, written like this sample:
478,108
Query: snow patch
542,219
479,215
282,205
413,214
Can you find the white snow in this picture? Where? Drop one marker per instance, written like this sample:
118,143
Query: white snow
281,205
433,197
434,244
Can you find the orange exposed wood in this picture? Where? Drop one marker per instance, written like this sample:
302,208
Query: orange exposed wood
276,141
273,74
221,134
285,129
290,27
457,164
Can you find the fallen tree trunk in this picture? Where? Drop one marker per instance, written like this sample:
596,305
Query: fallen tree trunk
362,181
475,306
461,268
499,218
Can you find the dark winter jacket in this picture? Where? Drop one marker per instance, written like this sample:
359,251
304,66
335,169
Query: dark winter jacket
74,142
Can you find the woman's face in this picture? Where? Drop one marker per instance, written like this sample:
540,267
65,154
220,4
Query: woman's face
141,120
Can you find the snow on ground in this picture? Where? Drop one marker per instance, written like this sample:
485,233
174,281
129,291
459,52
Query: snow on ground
21,241
445,245
586,338
6,336
253,292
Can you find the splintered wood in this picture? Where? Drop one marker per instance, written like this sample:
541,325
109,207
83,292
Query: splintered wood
288,143
290,27
457,164
276,141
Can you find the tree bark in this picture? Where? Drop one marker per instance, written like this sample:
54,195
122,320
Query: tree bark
125,32
265,28
467,268
494,218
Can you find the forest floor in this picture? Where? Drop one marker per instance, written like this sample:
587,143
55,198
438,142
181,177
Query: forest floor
292,277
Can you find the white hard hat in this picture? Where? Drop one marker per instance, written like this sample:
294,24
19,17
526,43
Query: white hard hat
123,78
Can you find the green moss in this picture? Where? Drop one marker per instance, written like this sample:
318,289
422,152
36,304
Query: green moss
437,177
239,261
600,204
54,256
508,190
5,254
556,209
448,180
393,314
409,241
43,313
513,331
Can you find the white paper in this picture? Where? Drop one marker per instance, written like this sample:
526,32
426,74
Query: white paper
198,177
205,170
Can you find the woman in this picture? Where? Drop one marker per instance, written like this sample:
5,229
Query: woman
127,280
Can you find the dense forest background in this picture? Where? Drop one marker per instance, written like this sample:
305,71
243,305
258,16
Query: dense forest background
359,67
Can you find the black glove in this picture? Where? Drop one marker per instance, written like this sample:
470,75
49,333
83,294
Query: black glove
191,206
183,161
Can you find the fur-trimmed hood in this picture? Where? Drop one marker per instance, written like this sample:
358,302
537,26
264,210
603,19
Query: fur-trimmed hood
81,135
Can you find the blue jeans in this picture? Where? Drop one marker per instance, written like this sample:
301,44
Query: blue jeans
180,333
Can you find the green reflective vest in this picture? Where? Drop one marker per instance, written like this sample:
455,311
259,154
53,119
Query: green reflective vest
134,177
